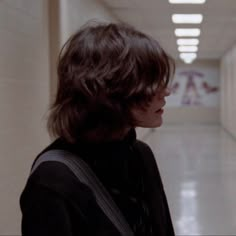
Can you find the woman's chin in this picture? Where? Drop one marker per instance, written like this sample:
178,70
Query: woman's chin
154,124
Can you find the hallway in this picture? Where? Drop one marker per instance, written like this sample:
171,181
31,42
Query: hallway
197,162
198,167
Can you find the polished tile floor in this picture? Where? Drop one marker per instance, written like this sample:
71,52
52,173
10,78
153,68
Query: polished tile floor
198,167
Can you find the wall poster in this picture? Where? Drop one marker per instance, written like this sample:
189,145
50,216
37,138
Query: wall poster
195,87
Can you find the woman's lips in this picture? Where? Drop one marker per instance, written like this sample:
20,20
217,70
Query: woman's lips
161,110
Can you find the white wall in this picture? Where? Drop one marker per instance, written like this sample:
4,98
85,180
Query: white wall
24,96
74,13
31,33
228,95
194,114
143,133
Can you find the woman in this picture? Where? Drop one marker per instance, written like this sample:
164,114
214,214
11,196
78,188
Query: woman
111,79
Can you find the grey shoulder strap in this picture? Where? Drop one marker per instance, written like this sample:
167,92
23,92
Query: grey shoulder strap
85,175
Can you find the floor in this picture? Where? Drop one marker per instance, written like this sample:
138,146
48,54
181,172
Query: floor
198,167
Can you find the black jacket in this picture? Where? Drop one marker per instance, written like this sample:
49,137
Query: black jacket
54,202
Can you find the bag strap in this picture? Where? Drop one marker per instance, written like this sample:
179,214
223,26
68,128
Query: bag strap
85,175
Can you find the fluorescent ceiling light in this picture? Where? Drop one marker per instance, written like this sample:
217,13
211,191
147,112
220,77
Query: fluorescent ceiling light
188,48
187,32
187,1
188,62
188,56
181,42
187,18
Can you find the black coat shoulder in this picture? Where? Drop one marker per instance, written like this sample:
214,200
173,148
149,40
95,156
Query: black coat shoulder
53,194
59,178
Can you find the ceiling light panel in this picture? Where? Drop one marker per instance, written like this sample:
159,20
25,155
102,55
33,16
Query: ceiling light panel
188,56
187,18
186,42
187,32
188,48
188,62
187,1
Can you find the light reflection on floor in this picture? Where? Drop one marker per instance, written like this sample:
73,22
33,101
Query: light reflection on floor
198,166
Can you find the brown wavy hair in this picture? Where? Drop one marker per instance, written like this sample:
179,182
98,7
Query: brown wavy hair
104,70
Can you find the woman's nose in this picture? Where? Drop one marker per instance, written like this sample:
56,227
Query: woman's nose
165,93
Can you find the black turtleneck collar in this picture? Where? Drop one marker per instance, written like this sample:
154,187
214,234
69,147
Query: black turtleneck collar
88,147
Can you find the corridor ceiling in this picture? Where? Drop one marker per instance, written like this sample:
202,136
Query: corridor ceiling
218,29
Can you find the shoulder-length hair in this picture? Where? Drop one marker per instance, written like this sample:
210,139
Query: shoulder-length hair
104,71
